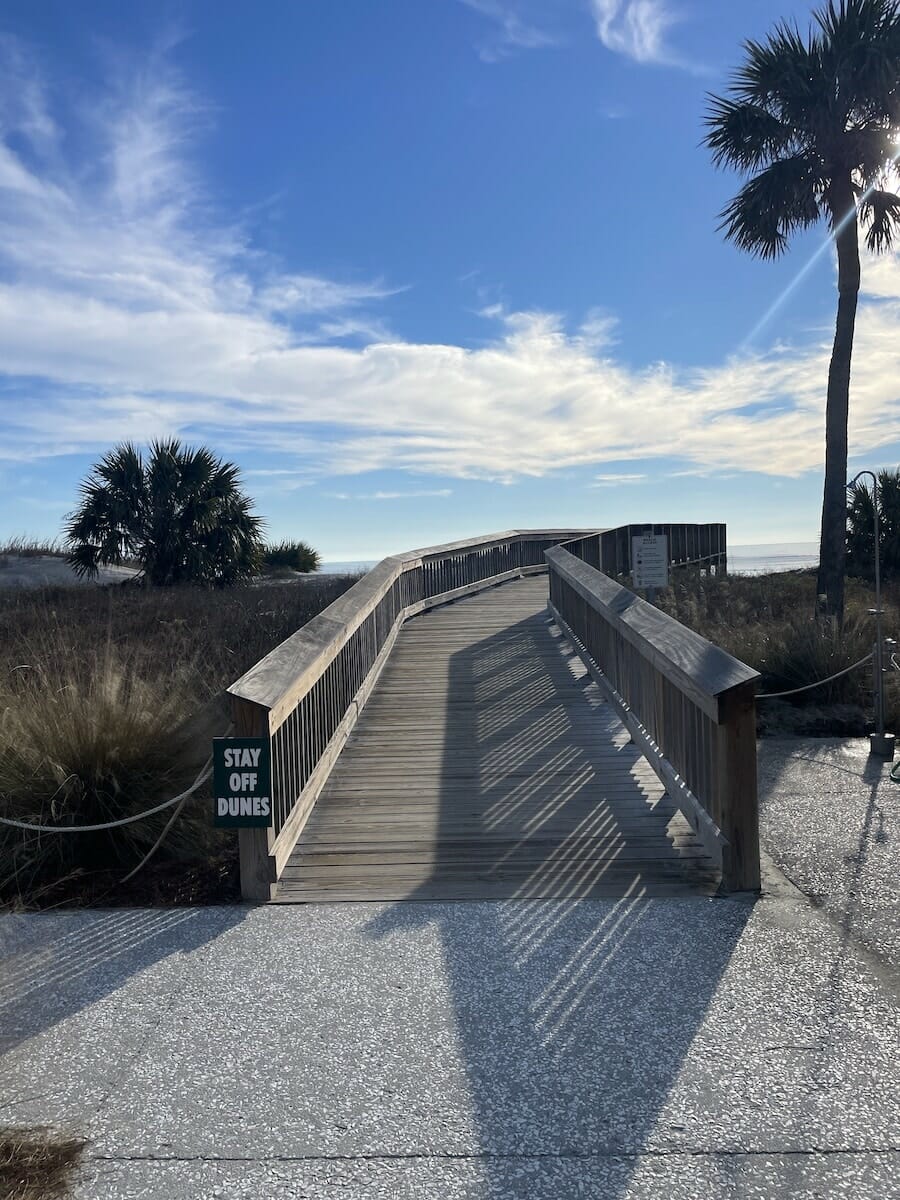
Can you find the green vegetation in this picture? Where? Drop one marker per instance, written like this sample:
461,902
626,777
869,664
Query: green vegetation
36,1164
179,514
108,700
290,556
815,123
861,531
768,622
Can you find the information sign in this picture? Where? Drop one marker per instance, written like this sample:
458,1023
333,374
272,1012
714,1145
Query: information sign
650,560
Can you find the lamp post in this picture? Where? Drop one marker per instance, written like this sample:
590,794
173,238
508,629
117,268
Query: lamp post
880,743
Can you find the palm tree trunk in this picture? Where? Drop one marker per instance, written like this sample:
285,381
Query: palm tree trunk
833,541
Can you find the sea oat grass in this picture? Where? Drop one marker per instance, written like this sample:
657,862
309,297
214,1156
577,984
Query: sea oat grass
769,622
108,700
37,1164
26,547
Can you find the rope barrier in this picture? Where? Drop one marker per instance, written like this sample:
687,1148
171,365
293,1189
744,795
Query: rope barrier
201,778
806,687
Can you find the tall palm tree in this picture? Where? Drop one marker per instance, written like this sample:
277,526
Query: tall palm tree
814,121
180,513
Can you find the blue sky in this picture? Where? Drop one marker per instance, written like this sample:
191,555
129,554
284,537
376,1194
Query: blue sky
424,268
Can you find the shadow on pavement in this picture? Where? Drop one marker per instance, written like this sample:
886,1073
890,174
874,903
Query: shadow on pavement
52,965
574,1016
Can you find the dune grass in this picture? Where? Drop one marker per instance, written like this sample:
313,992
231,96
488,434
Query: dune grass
27,547
108,700
37,1164
767,621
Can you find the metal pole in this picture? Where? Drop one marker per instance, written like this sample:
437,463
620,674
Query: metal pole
880,743
879,663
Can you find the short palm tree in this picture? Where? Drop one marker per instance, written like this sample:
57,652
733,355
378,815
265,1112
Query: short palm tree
814,121
861,532
179,512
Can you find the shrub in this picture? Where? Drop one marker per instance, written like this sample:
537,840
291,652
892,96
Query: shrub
290,556
180,514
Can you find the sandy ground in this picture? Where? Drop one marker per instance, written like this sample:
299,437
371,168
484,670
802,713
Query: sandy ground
47,570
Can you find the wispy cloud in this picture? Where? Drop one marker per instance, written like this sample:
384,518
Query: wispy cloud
638,29
511,31
135,239
291,294
441,492
127,311
614,480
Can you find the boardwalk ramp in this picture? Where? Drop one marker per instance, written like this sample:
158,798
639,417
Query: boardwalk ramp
499,719
487,765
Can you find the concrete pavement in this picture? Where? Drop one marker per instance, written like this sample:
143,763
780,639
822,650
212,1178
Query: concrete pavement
830,817
641,1048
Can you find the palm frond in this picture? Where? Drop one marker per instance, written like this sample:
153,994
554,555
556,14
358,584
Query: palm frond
783,74
786,196
880,214
122,469
744,135
860,43
84,560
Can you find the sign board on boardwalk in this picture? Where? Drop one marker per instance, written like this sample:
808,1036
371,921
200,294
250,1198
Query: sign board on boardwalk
650,560
242,783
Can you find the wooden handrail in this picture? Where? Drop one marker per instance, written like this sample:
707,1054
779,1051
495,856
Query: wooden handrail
689,545
688,704
305,696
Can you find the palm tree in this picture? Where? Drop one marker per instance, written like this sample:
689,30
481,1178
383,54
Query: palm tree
180,513
860,527
814,122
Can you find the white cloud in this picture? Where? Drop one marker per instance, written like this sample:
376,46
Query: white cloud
126,312
441,492
308,293
614,480
511,33
23,101
638,30
597,330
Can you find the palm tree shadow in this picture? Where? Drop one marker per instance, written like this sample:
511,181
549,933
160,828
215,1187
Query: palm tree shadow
573,1015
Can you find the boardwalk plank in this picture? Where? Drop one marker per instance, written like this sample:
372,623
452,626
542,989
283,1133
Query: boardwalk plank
486,766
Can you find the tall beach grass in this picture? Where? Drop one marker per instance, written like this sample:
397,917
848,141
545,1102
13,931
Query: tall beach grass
768,622
109,698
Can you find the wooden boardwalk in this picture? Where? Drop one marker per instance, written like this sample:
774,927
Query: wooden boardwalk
486,766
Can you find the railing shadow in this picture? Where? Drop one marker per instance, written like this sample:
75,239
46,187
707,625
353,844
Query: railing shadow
53,965
574,1016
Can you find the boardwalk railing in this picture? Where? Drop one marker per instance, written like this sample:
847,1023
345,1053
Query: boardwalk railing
306,695
609,550
688,705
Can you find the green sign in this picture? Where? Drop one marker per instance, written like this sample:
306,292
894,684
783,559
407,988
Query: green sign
242,783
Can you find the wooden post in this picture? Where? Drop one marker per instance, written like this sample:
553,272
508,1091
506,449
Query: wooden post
737,787
254,845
